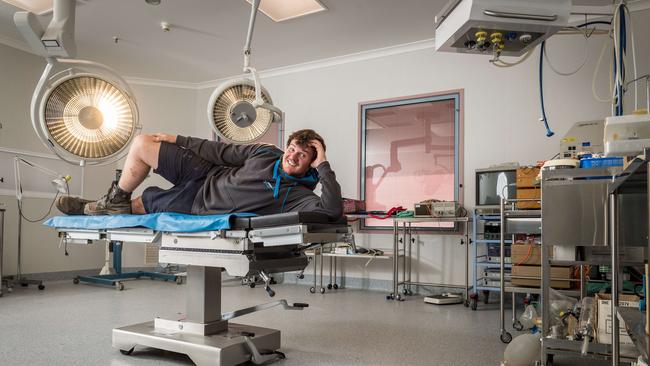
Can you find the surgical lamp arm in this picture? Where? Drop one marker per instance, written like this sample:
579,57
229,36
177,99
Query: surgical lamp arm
249,37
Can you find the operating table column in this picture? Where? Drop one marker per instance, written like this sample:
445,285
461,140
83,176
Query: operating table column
203,294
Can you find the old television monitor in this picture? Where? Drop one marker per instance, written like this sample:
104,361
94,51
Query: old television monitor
491,183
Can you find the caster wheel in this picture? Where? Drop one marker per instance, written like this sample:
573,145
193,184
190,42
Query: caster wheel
390,297
75,280
336,287
119,286
41,287
466,303
486,297
506,337
518,326
179,280
322,290
301,276
127,352
251,285
474,304
312,290
399,297
329,286
405,292
273,282
24,284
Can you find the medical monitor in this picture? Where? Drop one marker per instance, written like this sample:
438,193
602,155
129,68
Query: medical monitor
491,183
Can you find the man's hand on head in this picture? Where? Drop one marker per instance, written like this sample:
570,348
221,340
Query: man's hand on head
320,153
160,137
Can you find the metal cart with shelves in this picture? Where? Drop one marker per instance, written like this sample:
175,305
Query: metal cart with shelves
598,210
483,262
514,221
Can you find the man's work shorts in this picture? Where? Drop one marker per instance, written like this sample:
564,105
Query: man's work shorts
186,171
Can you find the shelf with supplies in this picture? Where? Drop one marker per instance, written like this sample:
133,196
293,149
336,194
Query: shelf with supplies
318,254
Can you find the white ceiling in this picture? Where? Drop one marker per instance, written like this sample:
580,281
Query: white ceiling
207,36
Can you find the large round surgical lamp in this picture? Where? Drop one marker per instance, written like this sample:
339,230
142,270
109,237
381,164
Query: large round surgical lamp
82,110
241,110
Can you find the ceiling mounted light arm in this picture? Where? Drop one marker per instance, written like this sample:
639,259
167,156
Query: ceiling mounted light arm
249,35
57,40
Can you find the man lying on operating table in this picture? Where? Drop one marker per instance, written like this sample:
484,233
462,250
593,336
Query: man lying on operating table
211,177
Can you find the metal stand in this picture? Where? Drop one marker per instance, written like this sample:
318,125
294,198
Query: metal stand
407,241
115,280
19,278
206,335
2,229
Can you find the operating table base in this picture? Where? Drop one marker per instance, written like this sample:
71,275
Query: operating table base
225,348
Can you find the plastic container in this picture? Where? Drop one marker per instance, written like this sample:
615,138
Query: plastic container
601,162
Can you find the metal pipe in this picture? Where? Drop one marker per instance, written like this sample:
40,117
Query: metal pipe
249,37
613,242
502,265
405,253
466,224
395,258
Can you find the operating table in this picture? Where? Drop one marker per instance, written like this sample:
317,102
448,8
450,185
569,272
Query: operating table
240,245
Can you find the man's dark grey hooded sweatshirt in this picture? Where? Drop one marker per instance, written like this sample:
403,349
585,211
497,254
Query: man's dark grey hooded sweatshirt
249,178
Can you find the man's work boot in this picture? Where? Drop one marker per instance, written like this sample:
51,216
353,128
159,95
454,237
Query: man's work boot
115,202
71,205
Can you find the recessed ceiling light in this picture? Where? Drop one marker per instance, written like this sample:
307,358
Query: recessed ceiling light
39,7
281,10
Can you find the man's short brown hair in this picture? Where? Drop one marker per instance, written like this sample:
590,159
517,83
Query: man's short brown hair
303,137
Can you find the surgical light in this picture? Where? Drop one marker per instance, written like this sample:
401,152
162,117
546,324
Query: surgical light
85,112
241,110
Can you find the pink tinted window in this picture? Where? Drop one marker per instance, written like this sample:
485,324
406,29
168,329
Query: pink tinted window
409,155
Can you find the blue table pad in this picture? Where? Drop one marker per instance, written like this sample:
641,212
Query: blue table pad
166,221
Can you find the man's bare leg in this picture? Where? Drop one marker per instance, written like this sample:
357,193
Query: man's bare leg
137,207
143,155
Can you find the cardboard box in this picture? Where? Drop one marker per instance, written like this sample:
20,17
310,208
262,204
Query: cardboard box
527,177
558,273
604,313
520,254
528,193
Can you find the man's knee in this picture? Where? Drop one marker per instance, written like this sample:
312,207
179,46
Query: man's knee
143,143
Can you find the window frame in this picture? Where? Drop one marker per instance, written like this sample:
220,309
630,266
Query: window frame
458,96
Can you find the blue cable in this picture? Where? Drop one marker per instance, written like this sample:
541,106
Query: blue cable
549,133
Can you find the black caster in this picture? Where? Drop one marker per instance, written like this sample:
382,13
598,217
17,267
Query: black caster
329,286
336,287
506,337
301,276
251,285
41,287
312,290
127,352
322,290
517,325
486,297
273,282
473,304
270,291
119,286
75,280
179,280
390,297
466,303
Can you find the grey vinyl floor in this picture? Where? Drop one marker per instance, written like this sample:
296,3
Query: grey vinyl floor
70,324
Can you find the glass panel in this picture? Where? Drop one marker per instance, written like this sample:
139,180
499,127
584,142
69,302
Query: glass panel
409,156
